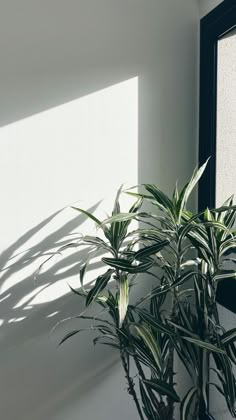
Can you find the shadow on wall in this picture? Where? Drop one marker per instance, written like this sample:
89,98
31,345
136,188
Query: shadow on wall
39,375
68,154
78,48
18,301
79,143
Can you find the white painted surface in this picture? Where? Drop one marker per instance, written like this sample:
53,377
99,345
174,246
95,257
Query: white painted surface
112,91
207,5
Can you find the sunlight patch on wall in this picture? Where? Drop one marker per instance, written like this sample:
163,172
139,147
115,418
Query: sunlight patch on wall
79,152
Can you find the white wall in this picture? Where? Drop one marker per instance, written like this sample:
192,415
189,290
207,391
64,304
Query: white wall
207,5
93,94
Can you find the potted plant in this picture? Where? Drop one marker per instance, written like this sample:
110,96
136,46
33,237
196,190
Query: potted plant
188,256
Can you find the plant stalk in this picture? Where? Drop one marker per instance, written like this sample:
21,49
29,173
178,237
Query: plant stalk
164,411
170,369
142,376
131,388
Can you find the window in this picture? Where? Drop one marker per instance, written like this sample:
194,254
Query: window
218,104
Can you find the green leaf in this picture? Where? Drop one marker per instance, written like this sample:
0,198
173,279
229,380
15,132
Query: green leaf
123,298
224,208
69,335
186,404
161,199
185,193
224,366
143,353
159,290
175,197
183,354
80,293
82,272
208,215
121,217
197,233
150,341
136,206
231,352
148,408
182,279
218,387
229,336
97,242
116,208
95,318
162,388
100,284
153,322
90,215
120,223
205,345
225,274
125,265
113,338
150,250
106,331
150,234
181,328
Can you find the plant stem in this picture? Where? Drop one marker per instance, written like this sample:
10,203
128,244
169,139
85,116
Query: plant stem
202,405
131,386
130,381
203,330
173,316
164,411
142,376
170,369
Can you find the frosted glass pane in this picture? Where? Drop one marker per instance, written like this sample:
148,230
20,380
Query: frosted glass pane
226,118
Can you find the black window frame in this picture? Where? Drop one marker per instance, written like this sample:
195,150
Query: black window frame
213,26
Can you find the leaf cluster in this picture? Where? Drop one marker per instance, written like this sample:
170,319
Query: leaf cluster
187,256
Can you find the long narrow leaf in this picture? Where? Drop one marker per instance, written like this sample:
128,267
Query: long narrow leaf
148,408
123,298
150,250
153,322
69,335
127,266
228,337
186,403
205,345
120,217
100,284
149,340
188,189
89,215
162,388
